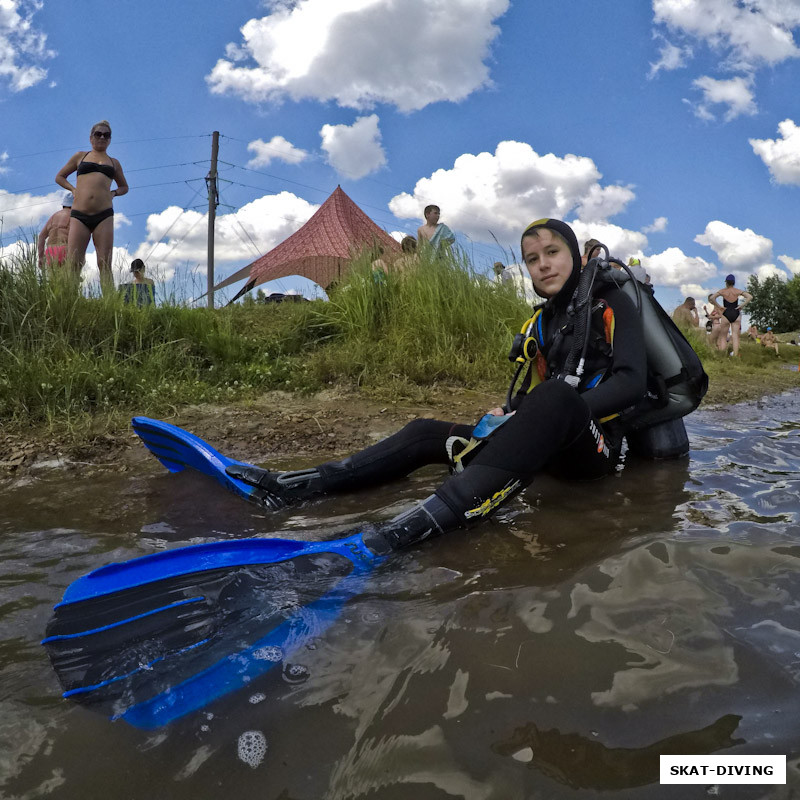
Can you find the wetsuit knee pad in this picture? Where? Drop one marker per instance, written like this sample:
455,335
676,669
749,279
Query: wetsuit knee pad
479,490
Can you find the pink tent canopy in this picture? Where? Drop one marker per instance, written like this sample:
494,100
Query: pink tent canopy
321,250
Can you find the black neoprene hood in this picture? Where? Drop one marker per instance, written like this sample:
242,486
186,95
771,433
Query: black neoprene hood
568,235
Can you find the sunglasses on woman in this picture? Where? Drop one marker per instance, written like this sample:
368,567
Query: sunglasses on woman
101,135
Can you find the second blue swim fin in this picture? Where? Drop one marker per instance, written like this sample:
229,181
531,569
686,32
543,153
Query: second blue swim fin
178,449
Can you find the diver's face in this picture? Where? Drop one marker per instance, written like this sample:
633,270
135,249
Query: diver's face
549,262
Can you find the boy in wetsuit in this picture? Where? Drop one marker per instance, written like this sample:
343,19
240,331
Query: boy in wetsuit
557,422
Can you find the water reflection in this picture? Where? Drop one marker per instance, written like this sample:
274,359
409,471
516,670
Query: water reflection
560,647
585,763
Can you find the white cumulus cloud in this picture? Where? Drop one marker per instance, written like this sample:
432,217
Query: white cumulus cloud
362,52
782,156
736,248
735,93
792,264
175,236
354,150
767,271
500,193
621,243
670,57
658,225
276,149
673,267
26,210
697,291
748,33
23,49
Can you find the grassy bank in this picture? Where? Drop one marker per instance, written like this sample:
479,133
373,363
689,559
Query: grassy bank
72,364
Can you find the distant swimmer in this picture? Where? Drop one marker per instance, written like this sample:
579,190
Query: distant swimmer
92,211
768,340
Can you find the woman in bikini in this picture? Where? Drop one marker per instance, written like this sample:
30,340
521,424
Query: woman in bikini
92,213
731,313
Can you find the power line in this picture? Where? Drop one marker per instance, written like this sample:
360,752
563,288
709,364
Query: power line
277,178
488,250
174,223
126,141
238,222
179,241
324,191
143,186
129,171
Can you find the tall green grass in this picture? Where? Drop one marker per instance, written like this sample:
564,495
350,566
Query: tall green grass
76,362
440,322
67,358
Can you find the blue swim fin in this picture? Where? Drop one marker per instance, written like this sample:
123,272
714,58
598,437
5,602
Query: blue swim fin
178,449
157,637
152,639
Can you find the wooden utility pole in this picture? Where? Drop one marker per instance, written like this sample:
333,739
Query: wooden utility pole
213,202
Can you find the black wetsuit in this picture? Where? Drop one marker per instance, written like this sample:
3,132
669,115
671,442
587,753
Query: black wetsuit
555,429
566,431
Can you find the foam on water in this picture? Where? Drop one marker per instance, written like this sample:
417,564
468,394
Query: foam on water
252,747
269,653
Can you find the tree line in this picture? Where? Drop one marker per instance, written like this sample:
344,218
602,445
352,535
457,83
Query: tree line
775,303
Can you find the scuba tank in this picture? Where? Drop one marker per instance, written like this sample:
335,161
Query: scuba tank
676,380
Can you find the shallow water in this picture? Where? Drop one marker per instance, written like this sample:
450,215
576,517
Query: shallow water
554,652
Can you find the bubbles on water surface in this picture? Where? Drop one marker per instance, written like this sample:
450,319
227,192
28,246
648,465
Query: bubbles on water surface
252,747
295,673
269,653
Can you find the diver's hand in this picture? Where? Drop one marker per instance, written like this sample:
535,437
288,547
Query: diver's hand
500,412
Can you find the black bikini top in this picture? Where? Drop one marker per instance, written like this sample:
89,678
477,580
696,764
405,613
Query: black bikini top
90,166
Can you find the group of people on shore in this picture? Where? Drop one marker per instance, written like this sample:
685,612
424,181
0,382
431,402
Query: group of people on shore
87,215
723,322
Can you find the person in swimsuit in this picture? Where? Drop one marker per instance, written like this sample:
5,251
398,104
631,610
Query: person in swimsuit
731,313
51,243
92,215
436,233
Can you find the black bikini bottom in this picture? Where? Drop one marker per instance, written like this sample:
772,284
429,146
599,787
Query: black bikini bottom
731,314
91,221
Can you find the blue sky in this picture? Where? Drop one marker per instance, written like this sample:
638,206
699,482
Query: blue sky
667,129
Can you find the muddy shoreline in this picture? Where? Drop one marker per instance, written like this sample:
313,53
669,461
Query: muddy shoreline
290,429
278,427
